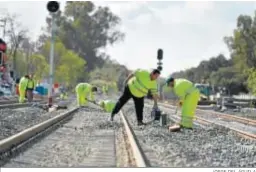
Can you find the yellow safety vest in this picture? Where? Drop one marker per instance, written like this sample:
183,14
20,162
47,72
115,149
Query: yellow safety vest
183,87
141,83
85,88
31,84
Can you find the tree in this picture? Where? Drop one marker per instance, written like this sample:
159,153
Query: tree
252,80
69,66
85,28
38,66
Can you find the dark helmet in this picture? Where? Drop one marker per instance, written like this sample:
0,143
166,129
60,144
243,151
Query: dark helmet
168,80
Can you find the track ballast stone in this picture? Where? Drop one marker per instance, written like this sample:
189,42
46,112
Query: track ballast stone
210,147
14,121
87,140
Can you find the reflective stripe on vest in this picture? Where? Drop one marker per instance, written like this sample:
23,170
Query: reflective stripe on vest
139,86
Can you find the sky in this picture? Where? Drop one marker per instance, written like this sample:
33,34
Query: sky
187,31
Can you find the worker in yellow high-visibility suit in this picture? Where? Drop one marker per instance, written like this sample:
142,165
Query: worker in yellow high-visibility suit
85,92
189,96
137,86
107,105
22,88
30,88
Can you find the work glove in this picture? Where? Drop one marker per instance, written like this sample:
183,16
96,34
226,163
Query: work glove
180,103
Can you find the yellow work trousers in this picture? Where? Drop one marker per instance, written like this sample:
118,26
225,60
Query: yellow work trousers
189,108
22,95
81,97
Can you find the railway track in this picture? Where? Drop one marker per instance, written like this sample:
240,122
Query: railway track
75,138
242,131
221,115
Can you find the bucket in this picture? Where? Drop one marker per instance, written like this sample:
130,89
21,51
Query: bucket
40,90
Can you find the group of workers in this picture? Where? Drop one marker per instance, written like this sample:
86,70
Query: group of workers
26,88
137,86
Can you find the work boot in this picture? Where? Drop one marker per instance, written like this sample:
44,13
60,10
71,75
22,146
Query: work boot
140,123
190,128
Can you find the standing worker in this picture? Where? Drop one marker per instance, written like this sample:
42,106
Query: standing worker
83,91
137,86
30,88
189,96
107,105
22,88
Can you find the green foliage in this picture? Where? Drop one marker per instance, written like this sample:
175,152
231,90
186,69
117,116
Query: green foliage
40,68
252,80
82,30
238,73
110,73
68,65
85,28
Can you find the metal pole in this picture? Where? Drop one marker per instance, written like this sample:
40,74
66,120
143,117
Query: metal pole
50,101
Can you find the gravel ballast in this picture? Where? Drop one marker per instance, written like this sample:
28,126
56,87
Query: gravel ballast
86,140
15,120
203,147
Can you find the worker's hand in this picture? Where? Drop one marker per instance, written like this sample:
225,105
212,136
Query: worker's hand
180,103
155,108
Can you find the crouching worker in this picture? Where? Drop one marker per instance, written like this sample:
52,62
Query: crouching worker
189,97
107,105
85,92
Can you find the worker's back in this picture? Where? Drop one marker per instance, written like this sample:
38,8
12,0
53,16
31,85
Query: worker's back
141,83
84,86
181,86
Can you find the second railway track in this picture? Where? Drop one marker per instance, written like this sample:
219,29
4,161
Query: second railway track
206,146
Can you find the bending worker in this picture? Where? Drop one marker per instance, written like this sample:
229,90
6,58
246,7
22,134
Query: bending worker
85,92
22,88
107,105
189,97
137,86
